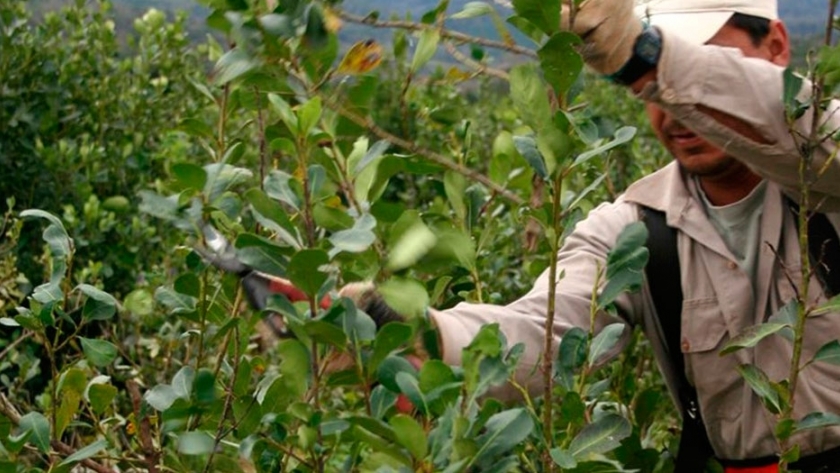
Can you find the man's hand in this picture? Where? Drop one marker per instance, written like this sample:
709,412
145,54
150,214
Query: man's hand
364,295
608,28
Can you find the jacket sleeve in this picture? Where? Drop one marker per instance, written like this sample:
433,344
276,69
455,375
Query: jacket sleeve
750,90
523,321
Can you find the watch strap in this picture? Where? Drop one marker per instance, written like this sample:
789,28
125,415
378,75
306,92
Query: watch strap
646,52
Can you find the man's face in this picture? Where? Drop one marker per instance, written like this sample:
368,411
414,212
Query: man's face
693,153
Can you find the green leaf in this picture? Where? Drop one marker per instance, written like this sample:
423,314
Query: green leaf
39,426
563,458
792,86
355,240
295,358
85,452
71,386
787,315
751,336
829,353
275,217
529,29
308,115
600,437
204,386
832,305
286,113
410,386
817,420
195,443
473,10
406,296
455,245
455,185
100,396
604,342
231,65
182,382
571,355
161,397
99,352
410,435
527,147
529,95
177,303
411,247
190,176
278,186
784,429
391,337
263,254
99,306
426,48
223,177
55,235
435,374
388,370
305,270
326,333
139,302
196,127
560,62
375,152
278,26
761,386
622,135
625,263
545,15
502,432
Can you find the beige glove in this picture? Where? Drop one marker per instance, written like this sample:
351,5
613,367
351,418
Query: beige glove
609,29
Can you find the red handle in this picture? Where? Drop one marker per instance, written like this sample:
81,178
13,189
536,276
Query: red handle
285,287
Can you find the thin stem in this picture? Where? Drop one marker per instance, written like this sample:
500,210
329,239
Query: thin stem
144,428
14,344
9,411
261,136
444,33
477,66
548,343
805,177
425,153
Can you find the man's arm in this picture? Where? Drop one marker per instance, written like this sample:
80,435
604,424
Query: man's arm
736,103
523,321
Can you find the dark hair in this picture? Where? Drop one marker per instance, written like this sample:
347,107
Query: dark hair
757,27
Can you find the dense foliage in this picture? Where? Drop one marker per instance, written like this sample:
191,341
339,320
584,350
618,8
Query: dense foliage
123,349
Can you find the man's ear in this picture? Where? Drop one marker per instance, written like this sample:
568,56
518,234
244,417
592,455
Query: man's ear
777,43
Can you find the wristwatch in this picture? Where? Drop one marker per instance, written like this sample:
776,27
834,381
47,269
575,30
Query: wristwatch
646,52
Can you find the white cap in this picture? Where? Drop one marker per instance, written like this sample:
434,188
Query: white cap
697,21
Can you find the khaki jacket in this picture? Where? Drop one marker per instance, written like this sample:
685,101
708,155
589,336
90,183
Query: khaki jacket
720,301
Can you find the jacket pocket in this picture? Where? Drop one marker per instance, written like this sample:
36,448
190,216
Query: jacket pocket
715,377
703,326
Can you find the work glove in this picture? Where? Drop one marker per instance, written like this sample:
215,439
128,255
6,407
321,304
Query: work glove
608,28
366,298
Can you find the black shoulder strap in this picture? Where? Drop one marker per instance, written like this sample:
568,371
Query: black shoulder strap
664,281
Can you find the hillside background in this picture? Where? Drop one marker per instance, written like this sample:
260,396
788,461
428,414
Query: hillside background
805,18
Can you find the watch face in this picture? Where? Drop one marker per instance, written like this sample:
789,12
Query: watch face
649,46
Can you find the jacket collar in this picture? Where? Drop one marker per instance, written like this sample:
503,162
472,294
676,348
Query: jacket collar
670,191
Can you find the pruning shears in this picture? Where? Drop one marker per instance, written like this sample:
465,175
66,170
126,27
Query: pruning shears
258,286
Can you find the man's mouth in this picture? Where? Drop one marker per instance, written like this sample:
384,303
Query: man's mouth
685,139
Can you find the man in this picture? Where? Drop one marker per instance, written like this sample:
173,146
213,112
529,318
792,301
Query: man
714,88
711,72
